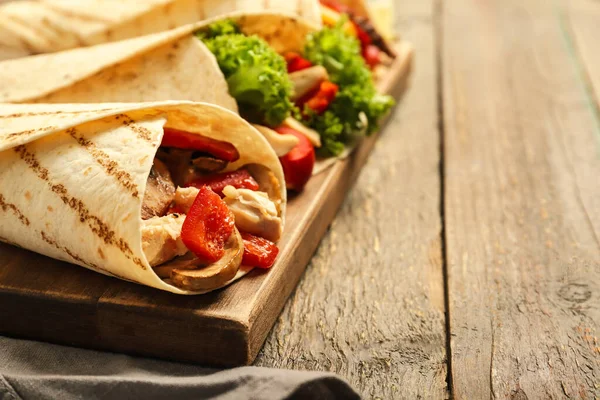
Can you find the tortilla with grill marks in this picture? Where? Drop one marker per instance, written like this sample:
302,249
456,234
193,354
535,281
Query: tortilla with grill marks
162,66
45,26
72,177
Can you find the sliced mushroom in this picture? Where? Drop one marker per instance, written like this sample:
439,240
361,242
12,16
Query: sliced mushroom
307,80
216,274
160,191
310,134
282,144
187,261
208,163
179,163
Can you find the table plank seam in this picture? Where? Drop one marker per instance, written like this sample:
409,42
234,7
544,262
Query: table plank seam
580,66
438,38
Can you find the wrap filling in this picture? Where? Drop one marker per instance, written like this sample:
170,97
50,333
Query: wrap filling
323,97
202,221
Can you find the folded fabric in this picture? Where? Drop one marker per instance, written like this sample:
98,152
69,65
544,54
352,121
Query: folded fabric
34,370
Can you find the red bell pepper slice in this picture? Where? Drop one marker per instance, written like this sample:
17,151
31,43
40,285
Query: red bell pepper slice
298,164
334,5
258,252
363,36
295,62
207,226
240,179
190,141
320,101
372,55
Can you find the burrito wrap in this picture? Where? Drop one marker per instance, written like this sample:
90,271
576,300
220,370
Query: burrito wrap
44,26
161,66
73,176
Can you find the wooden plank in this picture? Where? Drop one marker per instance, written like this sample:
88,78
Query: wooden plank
371,305
63,303
522,217
582,25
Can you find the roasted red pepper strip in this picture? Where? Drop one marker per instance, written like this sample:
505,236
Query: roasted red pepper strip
190,141
372,55
320,101
334,5
240,179
258,252
363,36
207,226
295,62
298,164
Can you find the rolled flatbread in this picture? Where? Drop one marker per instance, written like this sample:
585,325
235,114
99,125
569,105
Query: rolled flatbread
161,66
44,26
177,65
73,180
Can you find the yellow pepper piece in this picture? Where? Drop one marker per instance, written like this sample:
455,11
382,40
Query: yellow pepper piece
331,17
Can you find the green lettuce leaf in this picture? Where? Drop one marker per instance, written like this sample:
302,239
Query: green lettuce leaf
257,76
340,54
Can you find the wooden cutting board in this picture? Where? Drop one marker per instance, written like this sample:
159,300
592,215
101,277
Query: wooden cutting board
45,299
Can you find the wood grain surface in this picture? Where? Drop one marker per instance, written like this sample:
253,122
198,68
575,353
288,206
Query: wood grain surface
522,209
371,303
581,19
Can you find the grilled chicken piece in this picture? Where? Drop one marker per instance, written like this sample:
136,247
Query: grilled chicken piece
161,238
160,191
254,212
307,80
312,135
282,144
184,198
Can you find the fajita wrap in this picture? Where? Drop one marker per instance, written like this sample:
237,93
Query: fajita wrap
45,26
173,195
304,87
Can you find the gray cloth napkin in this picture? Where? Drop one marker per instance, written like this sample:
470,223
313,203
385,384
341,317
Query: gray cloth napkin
34,370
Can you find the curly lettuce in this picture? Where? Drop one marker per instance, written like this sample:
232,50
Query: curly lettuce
224,27
256,75
258,79
340,54
330,128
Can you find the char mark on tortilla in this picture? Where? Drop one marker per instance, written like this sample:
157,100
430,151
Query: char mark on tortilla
5,206
97,226
41,113
141,132
110,167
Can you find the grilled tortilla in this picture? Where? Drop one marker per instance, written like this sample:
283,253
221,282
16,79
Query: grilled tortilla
46,26
73,178
167,65
157,67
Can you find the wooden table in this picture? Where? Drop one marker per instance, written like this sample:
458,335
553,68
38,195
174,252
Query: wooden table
466,260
